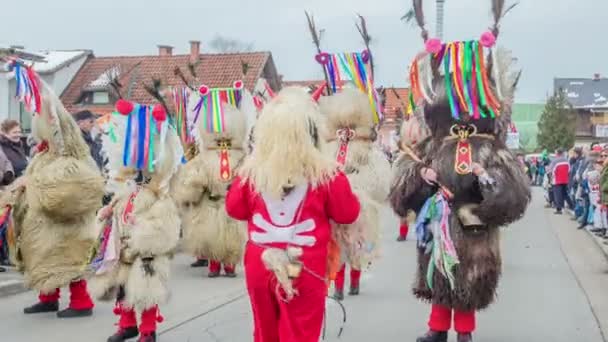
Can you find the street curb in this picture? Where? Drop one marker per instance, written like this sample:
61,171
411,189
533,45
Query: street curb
600,243
11,287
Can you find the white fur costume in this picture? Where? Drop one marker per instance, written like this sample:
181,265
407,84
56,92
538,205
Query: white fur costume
147,235
200,191
366,167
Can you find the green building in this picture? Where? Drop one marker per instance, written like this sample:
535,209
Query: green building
526,117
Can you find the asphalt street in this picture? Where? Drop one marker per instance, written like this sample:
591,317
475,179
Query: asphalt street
554,288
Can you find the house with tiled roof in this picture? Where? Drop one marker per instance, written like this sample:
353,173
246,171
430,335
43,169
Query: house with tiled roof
589,98
56,67
90,89
395,107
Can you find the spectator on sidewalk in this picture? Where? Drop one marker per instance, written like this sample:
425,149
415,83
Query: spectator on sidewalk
593,177
86,121
584,189
604,192
12,148
560,171
13,162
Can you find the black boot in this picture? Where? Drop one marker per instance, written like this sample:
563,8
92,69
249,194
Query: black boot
354,291
124,334
339,295
213,274
41,308
147,337
231,274
434,336
200,263
73,313
401,238
464,338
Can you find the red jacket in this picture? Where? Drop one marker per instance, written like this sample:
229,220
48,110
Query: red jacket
301,219
560,170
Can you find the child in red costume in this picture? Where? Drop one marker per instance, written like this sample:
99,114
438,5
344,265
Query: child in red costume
288,192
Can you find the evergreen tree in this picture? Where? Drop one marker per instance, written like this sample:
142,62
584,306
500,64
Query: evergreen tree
557,125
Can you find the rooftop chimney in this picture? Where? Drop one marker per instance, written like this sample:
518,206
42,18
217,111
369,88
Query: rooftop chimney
195,50
596,77
165,50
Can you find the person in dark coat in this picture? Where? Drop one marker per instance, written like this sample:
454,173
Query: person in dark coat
13,161
86,121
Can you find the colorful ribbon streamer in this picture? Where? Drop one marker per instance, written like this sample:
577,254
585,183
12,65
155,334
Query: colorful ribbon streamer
142,129
350,67
183,121
27,87
467,84
211,106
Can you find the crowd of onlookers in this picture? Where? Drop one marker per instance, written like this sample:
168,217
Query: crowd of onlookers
16,150
576,181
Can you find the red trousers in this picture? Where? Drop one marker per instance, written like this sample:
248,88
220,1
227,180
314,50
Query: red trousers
216,266
441,320
355,276
79,296
276,320
403,229
128,318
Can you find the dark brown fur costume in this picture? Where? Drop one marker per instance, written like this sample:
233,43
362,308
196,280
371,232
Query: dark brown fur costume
477,274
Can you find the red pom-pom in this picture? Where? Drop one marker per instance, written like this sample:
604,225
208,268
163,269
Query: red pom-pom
238,85
160,318
159,113
203,90
117,310
124,107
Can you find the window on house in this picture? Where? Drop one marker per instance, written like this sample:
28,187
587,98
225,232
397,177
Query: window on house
95,97
101,97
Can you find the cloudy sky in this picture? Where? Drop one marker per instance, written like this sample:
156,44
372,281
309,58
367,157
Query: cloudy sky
551,38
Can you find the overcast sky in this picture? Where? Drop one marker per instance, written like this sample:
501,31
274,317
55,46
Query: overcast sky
551,38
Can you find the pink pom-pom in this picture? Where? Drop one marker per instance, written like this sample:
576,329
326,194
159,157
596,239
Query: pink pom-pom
124,107
365,56
159,113
488,39
203,90
238,85
433,45
322,58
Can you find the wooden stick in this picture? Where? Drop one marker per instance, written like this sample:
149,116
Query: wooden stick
316,39
413,155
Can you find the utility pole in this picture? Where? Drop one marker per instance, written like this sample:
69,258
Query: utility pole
439,27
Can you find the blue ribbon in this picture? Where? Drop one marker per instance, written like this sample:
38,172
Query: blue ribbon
141,136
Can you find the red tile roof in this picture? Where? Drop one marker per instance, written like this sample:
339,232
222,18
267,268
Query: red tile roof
395,104
214,70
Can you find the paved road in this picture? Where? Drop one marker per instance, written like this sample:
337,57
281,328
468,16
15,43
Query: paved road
551,275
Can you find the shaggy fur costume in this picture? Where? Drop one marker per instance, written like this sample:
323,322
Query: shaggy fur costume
478,249
366,168
55,214
200,193
148,241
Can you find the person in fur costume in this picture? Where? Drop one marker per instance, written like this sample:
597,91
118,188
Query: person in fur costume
410,133
54,204
288,191
350,140
202,183
462,181
140,227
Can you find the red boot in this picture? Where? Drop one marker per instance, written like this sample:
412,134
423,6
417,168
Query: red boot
230,270
81,304
46,303
339,283
147,328
215,267
355,277
403,230
127,324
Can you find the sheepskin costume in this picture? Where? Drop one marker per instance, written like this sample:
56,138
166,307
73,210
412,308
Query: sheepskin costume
139,230
351,141
54,214
465,90
201,185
